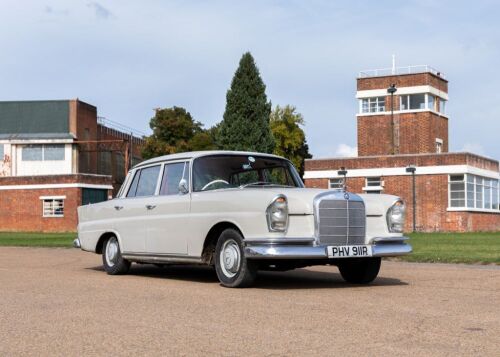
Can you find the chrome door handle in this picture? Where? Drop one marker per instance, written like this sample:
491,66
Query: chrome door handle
150,207
118,208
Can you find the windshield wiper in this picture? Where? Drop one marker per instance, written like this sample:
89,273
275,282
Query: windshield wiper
259,183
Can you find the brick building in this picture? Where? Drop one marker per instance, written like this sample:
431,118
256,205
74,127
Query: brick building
55,156
403,137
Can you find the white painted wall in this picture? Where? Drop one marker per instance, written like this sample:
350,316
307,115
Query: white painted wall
6,160
36,168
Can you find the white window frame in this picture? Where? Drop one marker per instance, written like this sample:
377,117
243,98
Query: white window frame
442,105
340,183
476,184
370,101
370,188
43,146
47,199
439,145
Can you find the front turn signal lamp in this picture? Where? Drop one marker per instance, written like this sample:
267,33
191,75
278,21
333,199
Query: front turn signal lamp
277,214
396,217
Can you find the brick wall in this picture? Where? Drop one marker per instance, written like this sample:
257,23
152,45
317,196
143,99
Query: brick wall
403,80
21,209
369,162
414,133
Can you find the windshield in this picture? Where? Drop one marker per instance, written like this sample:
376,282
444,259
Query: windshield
230,171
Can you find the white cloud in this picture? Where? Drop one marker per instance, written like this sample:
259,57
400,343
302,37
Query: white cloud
344,150
474,148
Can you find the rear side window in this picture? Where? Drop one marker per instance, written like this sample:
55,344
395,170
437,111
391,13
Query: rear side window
172,175
144,182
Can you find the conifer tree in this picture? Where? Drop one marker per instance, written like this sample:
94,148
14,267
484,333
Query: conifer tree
246,119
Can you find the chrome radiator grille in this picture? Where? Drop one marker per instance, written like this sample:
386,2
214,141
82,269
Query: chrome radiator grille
340,221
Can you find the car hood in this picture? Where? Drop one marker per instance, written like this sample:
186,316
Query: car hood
301,200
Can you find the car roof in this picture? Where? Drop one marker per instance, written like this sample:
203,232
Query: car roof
195,154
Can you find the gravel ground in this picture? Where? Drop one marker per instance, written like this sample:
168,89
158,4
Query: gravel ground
59,302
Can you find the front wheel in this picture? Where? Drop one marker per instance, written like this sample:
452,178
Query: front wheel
112,259
359,271
233,269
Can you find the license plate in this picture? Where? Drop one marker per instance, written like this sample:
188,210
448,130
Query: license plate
349,251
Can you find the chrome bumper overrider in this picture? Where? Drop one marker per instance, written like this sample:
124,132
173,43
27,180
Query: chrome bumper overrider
76,243
276,251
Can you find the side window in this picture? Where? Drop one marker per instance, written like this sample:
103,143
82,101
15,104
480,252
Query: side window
172,175
133,185
144,183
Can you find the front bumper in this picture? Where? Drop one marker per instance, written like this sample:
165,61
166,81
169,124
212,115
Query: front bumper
300,251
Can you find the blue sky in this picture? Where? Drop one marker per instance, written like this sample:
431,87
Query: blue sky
128,57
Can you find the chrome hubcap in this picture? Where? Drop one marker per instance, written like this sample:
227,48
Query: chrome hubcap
112,251
230,258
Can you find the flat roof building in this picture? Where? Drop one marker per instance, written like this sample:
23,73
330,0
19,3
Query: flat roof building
402,134
54,156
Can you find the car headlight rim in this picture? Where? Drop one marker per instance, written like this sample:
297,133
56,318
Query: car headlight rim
277,214
396,217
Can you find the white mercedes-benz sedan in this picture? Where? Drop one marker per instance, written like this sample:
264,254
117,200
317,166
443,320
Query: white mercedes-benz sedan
240,212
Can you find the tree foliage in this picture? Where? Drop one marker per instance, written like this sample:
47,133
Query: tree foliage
290,138
175,130
246,119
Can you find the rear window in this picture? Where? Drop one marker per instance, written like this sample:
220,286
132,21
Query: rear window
144,182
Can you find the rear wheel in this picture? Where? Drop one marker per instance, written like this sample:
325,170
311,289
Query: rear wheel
359,271
112,259
233,269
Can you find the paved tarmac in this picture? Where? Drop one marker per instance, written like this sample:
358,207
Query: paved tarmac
59,302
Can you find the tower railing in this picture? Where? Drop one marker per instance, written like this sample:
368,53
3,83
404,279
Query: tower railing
393,71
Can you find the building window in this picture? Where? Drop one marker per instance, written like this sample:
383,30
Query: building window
43,153
439,145
431,102
412,101
337,183
32,153
373,185
373,105
53,152
2,153
53,207
442,106
457,191
473,192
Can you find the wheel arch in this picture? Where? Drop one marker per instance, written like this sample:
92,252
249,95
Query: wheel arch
212,238
104,236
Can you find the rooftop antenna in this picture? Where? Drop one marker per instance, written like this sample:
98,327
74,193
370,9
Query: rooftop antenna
393,64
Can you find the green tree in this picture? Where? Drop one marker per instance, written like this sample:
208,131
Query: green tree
290,138
246,119
175,130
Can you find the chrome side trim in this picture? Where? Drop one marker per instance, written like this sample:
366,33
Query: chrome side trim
318,252
285,252
153,258
76,243
376,240
391,250
280,240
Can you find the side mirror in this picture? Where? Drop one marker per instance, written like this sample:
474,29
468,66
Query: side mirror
183,186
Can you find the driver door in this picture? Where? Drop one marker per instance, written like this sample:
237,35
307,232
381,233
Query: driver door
168,223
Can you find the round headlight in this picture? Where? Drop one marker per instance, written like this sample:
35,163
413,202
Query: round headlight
396,217
277,214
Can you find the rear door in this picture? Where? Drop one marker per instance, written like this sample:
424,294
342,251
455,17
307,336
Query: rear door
132,210
168,223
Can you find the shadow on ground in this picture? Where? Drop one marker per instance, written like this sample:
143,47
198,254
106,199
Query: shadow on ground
294,279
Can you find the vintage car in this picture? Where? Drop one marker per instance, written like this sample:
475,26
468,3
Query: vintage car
240,212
